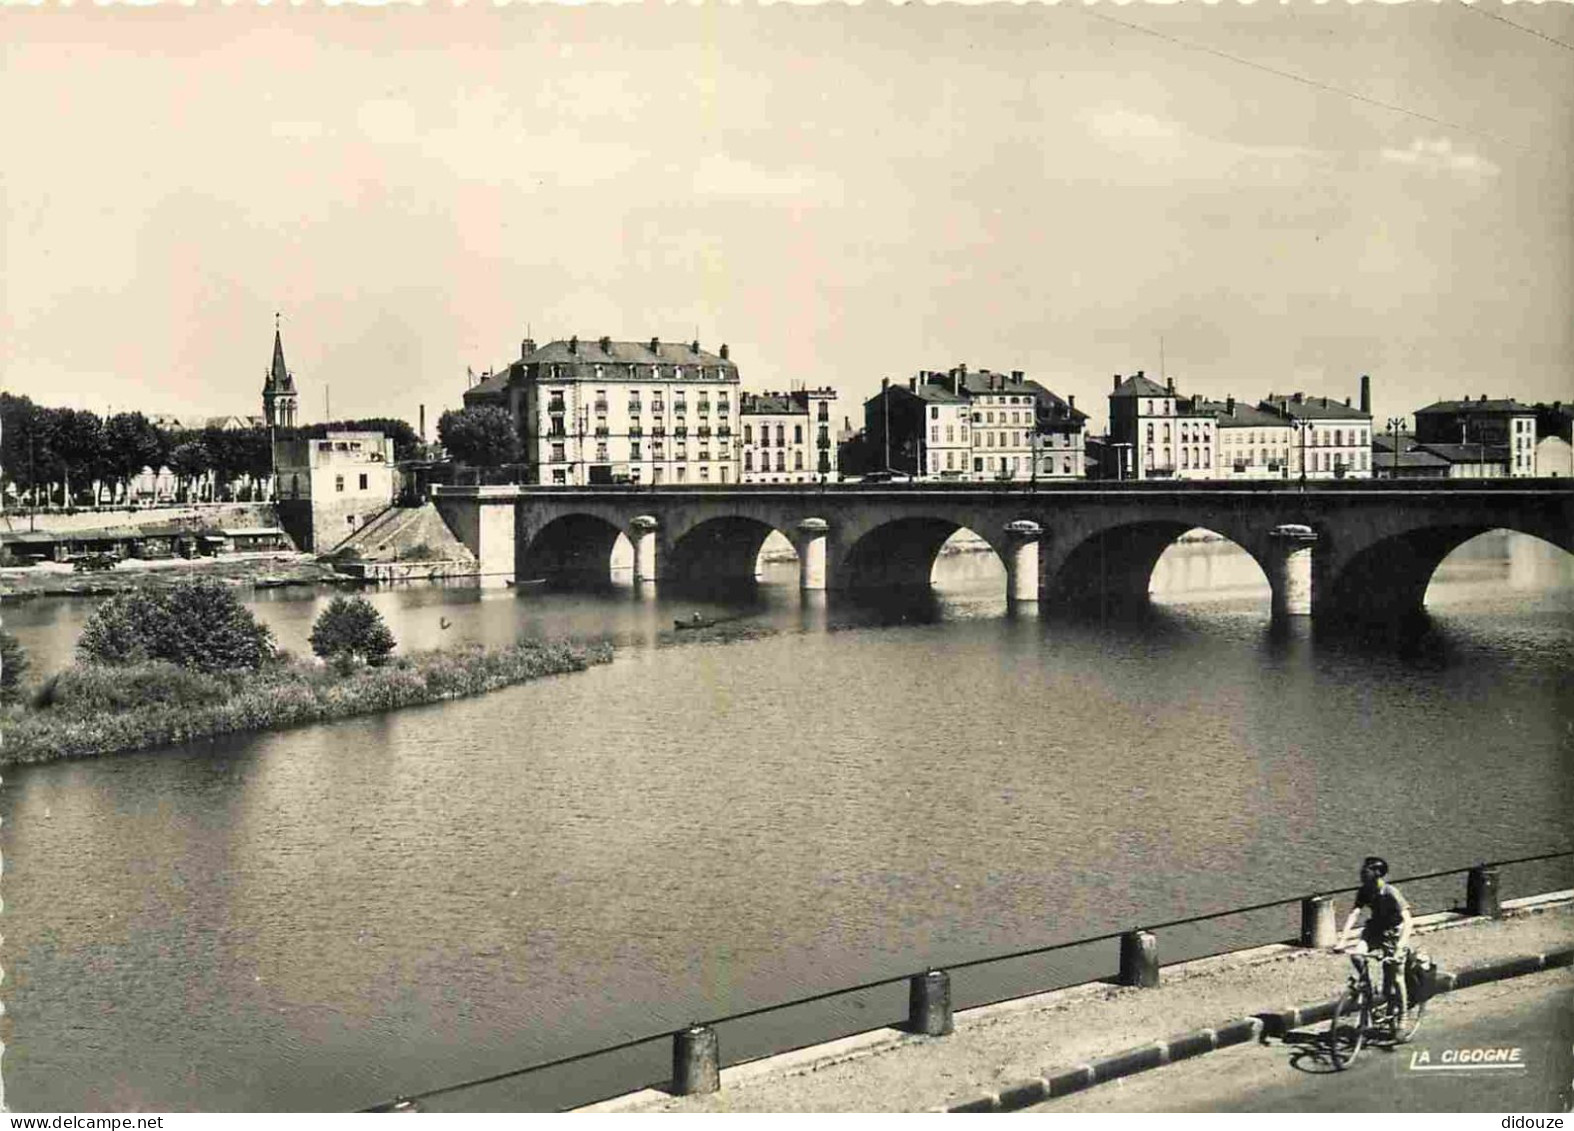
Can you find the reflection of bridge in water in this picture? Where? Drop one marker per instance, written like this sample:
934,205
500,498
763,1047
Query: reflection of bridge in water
1359,550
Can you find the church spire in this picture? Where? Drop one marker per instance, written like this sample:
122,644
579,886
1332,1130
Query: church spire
278,390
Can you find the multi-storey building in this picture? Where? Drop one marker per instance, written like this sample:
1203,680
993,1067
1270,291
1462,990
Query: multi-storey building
1502,431
327,489
974,426
1330,439
1155,434
786,437
1252,444
1060,447
610,412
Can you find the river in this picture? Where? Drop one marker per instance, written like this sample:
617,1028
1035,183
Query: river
326,917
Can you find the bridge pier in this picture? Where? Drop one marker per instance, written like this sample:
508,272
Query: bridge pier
1289,568
485,520
642,533
1021,560
811,554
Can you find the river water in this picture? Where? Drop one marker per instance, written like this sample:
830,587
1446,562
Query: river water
327,917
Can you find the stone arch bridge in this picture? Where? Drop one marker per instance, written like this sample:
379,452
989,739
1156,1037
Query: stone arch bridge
1357,550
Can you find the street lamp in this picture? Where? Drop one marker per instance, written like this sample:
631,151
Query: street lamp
1395,425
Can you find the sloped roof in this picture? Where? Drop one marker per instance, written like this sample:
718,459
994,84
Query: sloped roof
1139,386
979,382
1059,406
1415,459
1241,416
1453,408
938,394
772,404
1312,408
279,378
1468,453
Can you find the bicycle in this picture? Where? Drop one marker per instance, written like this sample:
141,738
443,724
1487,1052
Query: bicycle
1382,1017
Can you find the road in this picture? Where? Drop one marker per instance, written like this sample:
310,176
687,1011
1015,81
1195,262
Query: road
1534,1014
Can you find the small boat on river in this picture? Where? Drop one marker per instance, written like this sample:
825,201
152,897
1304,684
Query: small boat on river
697,621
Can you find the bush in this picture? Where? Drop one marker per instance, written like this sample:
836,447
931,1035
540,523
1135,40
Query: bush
196,623
13,662
350,629
91,689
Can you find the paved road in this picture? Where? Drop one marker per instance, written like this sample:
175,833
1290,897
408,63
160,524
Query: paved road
1534,1014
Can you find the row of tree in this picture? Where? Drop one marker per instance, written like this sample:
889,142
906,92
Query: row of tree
64,456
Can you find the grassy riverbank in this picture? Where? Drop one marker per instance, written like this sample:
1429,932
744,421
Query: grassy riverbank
87,711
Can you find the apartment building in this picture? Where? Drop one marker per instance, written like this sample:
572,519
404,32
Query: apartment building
1502,432
786,437
620,412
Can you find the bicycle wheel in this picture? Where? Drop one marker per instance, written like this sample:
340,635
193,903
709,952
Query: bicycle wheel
1347,1027
1403,1023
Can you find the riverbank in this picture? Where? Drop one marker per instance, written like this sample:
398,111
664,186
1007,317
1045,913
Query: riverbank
260,570
87,712
996,1049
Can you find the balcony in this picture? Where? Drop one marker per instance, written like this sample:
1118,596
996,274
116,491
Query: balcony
634,408
703,431
635,431
601,405
704,453
680,432
556,432
556,406
823,443
600,432
724,432
657,407
658,432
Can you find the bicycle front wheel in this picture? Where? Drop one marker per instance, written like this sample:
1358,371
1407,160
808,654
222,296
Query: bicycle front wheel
1347,1028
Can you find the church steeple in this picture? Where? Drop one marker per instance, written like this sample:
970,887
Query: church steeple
278,388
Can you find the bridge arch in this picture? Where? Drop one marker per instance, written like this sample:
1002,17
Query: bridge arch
1112,566
902,552
573,549
720,550
1386,578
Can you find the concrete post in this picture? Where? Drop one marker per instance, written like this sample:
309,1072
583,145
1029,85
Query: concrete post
696,1061
929,1003
1317,922
1290,569
1139,959
1022,560
1481,894
811,554
642,532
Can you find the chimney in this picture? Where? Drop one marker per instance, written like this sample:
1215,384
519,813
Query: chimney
1347,402
1298,398
912,384
1016,374
573,344
1366,394
1169,385
1117,383
606,344
422,432
1139,373
1229,405
1071,400
655,344
694,346
725,352
527,347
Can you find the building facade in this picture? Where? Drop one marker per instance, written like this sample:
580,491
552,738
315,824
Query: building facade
620,412
786,437
1329,439
1502,431
1156,434
1060,441
1252,444
327,489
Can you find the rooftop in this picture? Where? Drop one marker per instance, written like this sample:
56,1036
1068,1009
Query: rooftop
1298,406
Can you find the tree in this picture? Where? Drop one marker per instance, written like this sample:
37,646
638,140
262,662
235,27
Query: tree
79,442
25,443
350,629
13,662
130,444
188,460
482,437
197,623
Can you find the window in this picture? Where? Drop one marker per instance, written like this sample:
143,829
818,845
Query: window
1150,431
934,463
557,453
797,461
295,486
704,472
950,433
934,433
978,464
683,473
338,483
934,411
364,481
559,476
634,451
748,461
349,520
950,463
797,433
748,433
781,437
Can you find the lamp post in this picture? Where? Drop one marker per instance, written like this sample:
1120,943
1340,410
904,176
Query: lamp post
1395,425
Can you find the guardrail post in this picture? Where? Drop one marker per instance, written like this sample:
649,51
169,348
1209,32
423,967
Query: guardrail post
696,1061
1317,921
1481,896
929,1003
1139,959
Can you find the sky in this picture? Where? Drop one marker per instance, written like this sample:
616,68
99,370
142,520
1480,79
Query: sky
1247,199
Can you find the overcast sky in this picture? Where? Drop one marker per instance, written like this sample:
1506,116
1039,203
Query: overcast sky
839,194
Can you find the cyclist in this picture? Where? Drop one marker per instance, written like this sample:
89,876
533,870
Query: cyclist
1387,928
